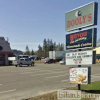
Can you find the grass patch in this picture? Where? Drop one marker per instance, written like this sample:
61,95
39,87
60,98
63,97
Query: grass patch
93,88
98,63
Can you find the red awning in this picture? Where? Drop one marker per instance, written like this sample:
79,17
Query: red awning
5,52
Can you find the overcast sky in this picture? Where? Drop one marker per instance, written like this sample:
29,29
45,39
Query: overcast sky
28,22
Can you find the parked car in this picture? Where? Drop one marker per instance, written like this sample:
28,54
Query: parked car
50,61
42,57
31,58
62,62
37,58
23,61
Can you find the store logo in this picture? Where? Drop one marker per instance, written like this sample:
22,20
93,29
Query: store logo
1,48
78,14
80,19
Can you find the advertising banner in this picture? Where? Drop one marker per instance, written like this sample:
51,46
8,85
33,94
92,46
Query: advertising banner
83,16
82,39
80,75
81,58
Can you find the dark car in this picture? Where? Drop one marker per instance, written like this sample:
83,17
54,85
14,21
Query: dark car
37,58
31,58
50,61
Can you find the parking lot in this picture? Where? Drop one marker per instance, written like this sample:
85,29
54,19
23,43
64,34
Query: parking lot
18,83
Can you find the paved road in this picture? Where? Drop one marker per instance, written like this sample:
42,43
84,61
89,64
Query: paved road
17,83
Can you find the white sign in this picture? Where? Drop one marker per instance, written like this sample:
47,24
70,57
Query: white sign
78,75
79,58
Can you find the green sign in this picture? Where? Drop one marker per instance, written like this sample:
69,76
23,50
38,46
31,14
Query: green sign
83,16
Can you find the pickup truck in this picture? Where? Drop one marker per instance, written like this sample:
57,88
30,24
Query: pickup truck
23,61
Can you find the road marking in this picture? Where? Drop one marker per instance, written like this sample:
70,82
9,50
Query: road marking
14,71
56,76
25,70
57,69
5,70
8,91
37,71
31,69
48,73
95,74
64,80
0,84
34,72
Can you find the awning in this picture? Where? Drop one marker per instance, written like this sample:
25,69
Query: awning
5,52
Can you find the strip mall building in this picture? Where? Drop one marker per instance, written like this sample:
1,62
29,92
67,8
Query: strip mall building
5,50
97,53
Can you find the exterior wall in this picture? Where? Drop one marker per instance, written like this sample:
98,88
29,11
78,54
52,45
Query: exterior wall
97,50
4,51
6,60
97,54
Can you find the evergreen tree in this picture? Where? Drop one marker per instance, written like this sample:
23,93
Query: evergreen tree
61,47
45,47
27,51
40,52
32,52
54,46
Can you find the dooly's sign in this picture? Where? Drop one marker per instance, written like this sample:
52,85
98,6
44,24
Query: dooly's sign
82,39
82,17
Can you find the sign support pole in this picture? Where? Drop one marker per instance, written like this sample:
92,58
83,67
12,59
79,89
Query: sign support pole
79,85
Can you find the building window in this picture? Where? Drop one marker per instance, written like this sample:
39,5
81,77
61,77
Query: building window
1,57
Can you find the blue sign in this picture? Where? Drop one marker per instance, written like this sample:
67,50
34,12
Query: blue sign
82,39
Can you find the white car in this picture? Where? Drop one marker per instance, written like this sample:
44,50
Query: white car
62,62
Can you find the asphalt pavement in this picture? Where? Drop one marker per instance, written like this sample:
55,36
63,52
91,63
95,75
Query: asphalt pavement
17,83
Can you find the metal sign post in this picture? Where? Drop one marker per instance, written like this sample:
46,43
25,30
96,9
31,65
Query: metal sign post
79,85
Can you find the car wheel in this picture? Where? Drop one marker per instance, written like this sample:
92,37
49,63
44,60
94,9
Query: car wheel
32,64
27,65
16,65
49,62
20,65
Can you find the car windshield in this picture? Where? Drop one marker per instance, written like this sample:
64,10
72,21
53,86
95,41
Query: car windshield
48,59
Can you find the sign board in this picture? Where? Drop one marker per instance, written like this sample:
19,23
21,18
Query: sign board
81,58
82,39
83,16
80,75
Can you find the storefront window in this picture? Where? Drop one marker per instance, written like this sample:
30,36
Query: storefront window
1,57
98,57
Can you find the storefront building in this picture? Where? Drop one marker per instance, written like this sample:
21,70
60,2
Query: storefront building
97,53
5,50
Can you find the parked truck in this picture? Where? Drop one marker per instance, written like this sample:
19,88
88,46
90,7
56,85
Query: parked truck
58,55
17,57
23,61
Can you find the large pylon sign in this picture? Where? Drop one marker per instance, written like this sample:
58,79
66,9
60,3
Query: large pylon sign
81,17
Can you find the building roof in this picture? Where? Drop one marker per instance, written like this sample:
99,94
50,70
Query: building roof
5,46
97,50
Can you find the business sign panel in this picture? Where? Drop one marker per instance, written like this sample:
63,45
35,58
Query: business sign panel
80,75
81,58
82,39
82,17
